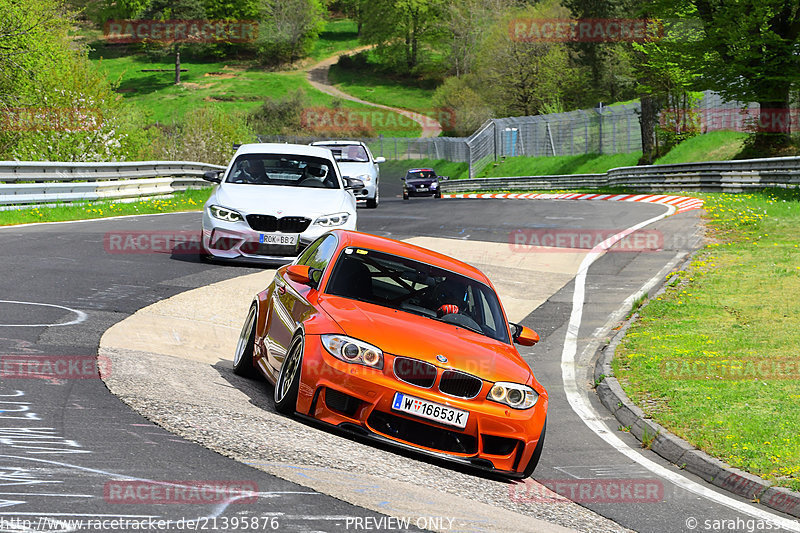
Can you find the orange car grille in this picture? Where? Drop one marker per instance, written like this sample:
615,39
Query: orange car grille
460,384
424,374
416,372
422,434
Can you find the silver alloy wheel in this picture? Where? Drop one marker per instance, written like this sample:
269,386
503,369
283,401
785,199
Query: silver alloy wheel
289,369
244,336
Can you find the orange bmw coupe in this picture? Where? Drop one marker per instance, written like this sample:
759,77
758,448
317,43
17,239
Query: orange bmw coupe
399,344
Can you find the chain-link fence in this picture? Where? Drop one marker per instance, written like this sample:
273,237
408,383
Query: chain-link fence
449,148
602,130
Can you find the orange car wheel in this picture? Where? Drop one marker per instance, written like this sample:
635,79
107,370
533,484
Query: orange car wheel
243,357
288,382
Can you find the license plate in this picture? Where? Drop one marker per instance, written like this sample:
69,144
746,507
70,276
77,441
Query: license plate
430,410
422,188
289,239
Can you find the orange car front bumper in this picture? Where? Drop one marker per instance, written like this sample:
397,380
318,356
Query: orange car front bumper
357,398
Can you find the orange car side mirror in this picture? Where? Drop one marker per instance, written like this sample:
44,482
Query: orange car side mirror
525,336
304,274
299,274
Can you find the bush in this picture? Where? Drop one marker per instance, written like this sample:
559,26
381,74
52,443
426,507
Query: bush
206,134
354,62
280,116
74,116
287,30
466,107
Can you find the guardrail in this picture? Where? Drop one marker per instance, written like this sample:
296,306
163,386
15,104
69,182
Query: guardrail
719,176
31,183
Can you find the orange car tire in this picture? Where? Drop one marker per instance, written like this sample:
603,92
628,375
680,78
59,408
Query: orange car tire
243,357
288,382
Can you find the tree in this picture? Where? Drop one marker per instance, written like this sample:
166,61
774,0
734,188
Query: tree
666,70
287,29
466,22
609,63
54,105
756,57
353,9
521,77
401,27
101,11
174,10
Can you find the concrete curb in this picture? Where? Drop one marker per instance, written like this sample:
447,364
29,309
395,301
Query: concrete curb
680,203
678,451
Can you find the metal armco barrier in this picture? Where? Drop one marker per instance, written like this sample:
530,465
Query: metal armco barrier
29,183
719,176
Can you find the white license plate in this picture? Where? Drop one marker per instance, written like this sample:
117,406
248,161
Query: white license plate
430,410
422,188
289,239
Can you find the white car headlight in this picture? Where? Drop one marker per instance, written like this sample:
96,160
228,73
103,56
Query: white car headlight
366,178
513,395
353,351
336,219
434,185
223,213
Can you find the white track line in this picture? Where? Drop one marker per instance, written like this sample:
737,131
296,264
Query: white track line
81,316
580,403
118,217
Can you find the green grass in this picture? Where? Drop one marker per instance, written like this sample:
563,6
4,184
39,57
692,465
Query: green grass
397,168
566,164
338,36
371,85
233,85
191,200
736,301
713,146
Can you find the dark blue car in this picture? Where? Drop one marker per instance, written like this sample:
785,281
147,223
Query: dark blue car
421,182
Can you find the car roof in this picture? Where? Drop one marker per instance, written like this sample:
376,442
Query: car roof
411,251
420,170
284,148
338,143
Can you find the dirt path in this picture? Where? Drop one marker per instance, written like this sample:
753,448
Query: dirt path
317,76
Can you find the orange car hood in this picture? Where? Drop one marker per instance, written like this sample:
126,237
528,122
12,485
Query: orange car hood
401,333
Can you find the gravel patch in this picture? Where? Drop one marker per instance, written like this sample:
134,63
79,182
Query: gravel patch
211,406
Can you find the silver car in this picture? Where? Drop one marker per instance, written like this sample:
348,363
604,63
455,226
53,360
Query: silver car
356,161
273,200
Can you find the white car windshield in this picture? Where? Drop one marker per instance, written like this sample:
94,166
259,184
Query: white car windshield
419,288
347,153
285,170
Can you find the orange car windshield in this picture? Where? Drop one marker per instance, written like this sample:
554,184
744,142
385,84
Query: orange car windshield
419,288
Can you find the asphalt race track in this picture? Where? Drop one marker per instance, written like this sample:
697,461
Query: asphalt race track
67,445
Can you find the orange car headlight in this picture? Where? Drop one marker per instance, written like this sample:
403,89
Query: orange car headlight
513,395
353,351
